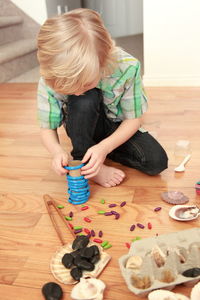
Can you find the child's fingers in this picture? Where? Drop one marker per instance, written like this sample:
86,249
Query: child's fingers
93,174
86,157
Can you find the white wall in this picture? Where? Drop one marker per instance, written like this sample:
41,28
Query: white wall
35,9
121,17
171,42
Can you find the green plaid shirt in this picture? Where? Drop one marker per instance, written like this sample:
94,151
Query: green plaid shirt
123,95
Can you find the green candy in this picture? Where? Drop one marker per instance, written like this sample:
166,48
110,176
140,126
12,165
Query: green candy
104,244
60,206
101,212
102,201
107,246
68,218
77,227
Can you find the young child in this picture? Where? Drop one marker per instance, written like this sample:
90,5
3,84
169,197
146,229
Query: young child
94,90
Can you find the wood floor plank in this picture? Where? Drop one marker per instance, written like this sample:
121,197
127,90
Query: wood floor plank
27,237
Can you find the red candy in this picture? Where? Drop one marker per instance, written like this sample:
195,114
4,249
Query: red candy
86,230
149,225
99,241
84,207
87,220
128,245
71,226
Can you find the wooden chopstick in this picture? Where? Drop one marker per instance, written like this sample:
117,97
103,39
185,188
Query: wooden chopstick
50,202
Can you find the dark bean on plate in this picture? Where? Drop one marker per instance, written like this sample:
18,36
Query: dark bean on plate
67,260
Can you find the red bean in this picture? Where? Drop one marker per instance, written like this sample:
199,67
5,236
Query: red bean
123,203
92,232
140,226
100,233
149,225
157,208
117,216
109,213
132,227
112,205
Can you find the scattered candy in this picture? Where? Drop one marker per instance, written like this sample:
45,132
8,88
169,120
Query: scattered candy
123,203
140,226
102,201
77,231
137,238
68,218
104,244
149,225
84,207
112,205
100,233
99,241
132,227
109,213
114,212
60,206
92,232
86,230
117,216
87,220
71,226
77,227
157,208
71,214
128,245
101,212
107,246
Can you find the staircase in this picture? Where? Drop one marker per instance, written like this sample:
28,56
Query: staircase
17,41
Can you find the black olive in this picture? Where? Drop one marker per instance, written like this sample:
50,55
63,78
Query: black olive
67,260
87,252
194,272
95,249
83,264
94,259
52,291
76,273
75,253
80,242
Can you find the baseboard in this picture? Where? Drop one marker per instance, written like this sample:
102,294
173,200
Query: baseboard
171,81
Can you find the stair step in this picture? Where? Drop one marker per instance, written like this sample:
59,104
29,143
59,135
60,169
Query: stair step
10,20
15,49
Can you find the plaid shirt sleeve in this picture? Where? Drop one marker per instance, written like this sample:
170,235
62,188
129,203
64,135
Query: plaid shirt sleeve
133,102
49,108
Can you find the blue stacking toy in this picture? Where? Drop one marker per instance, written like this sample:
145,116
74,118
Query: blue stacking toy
78,187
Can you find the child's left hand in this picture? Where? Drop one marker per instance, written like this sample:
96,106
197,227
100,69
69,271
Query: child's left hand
96,156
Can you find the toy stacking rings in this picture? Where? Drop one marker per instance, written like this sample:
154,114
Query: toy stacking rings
78,187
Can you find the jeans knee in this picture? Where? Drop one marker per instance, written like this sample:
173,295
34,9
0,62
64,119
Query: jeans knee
158,164
89,101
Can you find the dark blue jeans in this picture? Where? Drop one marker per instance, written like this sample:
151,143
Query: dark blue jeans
86,124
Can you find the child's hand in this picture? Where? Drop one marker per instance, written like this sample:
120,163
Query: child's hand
96,156
60,159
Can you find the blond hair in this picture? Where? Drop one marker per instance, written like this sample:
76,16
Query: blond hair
74,49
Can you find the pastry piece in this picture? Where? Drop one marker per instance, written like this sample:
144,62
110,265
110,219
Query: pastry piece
89,288
134,263
181,297
174,197
141,282
162,295
158,256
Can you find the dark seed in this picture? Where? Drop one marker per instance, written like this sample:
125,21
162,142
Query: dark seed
194,272
109,213
80,242
87,252
95,259
76,273
100,233
52,290
132,227
67,260
112,205
123,203
83,264
140,226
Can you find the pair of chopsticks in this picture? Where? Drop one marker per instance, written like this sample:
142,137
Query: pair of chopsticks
50,203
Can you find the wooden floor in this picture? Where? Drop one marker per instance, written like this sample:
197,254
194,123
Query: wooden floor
27,238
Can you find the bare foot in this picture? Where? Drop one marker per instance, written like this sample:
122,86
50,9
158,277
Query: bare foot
108,176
